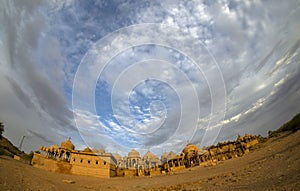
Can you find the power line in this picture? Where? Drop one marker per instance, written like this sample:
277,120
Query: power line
20,147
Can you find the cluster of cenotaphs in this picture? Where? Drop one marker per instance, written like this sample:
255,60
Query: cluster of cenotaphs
98,163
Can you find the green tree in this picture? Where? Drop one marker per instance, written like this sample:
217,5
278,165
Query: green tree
1,129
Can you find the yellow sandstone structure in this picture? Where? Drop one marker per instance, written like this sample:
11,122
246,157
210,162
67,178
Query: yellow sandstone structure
98,163
135,165
192,156
65,159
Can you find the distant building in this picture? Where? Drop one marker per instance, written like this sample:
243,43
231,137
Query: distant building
151,160
135,161
165,157
135,165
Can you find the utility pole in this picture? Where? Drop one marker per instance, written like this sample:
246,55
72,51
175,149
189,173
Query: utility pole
20,147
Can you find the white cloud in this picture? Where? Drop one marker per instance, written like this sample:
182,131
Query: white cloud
256,47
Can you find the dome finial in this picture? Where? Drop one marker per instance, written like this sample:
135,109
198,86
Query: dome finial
67,144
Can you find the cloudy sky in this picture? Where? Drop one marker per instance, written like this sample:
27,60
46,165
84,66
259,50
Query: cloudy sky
150,75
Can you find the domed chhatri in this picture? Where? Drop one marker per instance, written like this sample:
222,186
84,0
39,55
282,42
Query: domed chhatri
87,150
164,157
150,156
151,160
101,151
190,149
66,159
135,161
171,155
133,153
118,157
93,162
68,145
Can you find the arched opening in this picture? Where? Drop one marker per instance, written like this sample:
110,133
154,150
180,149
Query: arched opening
133,163
67,156
61,156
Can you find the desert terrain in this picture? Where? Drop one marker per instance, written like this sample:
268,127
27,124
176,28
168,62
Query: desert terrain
272,165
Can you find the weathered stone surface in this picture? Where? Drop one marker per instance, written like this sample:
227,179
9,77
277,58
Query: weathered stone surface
90,162
65,159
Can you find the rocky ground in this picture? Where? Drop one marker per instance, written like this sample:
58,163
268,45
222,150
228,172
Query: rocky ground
273,165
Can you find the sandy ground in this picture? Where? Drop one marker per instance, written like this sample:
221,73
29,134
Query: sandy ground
273,165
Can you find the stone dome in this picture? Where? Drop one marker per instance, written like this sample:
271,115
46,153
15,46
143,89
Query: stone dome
42,148
171,155
164,155
53,147
117,157
101,151
94,150
134,154
67,145
150,156
190,149
88,150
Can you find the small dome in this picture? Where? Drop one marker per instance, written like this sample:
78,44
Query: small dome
88,150
67,145
117,157
53,148
150,156
133,154
190,149
42,148
164,155
101,151
94,150
171,155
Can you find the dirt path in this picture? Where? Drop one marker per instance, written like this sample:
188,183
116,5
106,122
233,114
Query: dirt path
274,165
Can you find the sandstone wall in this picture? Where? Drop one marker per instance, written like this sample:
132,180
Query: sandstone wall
90,171
91,165
126,172
45,163
87,165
